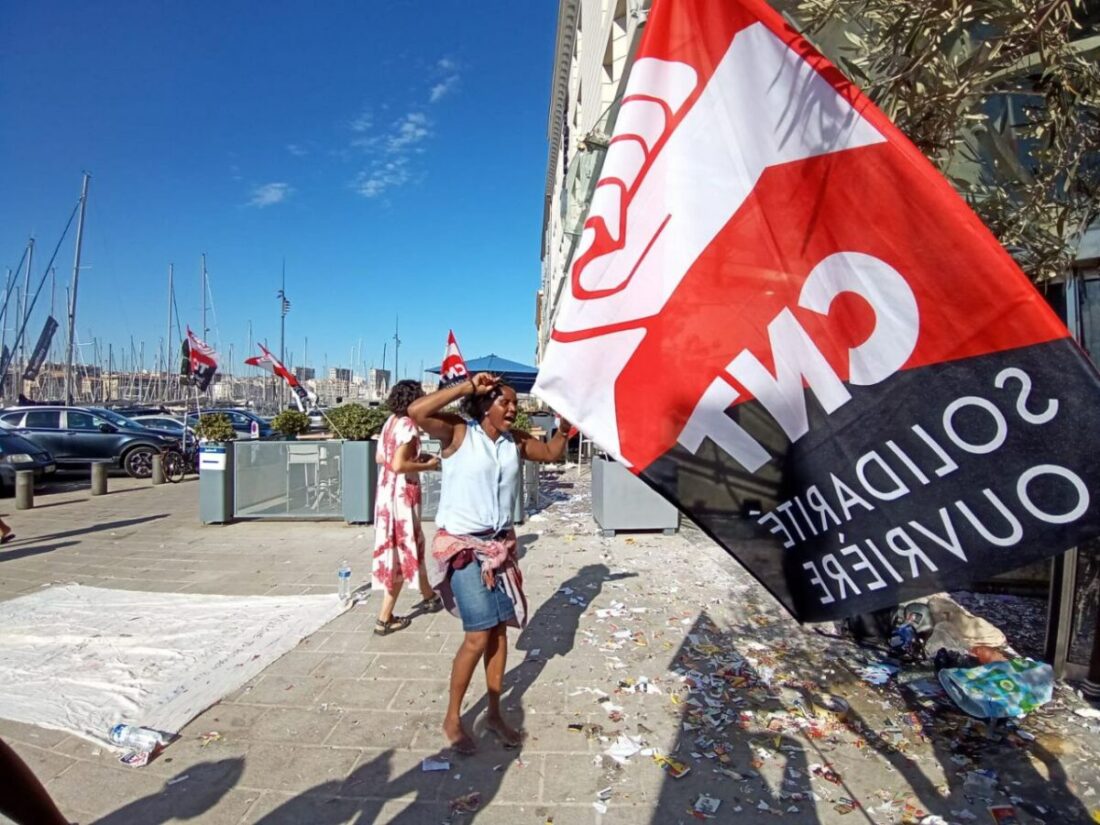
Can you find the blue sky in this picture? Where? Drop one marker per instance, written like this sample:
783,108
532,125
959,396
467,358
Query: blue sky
393,153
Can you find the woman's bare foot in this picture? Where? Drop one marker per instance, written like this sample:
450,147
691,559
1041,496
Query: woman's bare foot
509,737
459,740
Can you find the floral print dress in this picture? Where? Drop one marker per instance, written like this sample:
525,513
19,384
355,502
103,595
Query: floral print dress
398,537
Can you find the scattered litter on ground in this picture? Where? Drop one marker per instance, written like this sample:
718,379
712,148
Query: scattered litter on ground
432,763
466,804
706,805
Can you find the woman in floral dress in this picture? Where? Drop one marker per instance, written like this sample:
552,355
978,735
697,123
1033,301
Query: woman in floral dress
398,537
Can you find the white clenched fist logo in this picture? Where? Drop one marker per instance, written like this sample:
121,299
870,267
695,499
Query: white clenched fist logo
682,162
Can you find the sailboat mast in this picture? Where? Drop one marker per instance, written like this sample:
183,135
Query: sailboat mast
203,287
168,340
72,295
23,313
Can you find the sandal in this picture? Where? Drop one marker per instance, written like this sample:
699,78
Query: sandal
395,623
11,537
432,605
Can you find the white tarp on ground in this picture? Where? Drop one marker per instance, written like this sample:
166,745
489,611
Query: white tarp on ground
81,659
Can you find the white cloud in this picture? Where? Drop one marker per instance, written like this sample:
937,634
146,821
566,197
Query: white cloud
445,64
441,89
362,123
296,150
407,132
382,176
270,194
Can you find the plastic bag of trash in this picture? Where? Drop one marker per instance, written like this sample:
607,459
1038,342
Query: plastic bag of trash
1000,690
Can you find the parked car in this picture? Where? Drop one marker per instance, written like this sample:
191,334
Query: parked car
127,421
135,411
163,422
77,436
17,453
317,420
241,420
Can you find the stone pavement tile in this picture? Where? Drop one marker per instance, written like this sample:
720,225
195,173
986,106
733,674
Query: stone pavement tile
430,696
31,734
344,665
573,778
78,748
297,662
497,774
410,812
274,808
359,694
45,764
376,729
560,813
204,793
348,621
345,642
99,788
551,734
409,641
286,590
389,774
291,691
303,725
535,696
294,770
423,666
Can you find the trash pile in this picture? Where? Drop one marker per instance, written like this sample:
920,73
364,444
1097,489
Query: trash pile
711,691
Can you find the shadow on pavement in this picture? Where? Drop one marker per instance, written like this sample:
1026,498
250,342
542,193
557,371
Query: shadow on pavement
752,739
94,528
552,629
187,795
24,552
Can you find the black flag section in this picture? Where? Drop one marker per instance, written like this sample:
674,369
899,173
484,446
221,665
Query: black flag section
38,357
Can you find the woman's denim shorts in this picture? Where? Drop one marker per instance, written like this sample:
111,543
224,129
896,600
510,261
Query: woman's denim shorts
480,607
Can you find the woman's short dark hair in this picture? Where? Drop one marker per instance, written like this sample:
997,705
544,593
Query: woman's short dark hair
475,406
402,395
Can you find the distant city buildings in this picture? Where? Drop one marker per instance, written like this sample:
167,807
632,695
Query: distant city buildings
378,383
305,373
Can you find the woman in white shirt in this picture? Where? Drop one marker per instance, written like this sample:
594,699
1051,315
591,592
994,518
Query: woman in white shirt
473,563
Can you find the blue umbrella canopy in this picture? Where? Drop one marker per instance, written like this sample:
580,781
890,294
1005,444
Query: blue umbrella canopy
518,376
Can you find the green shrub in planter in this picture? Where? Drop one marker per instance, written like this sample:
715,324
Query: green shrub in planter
522,422
215,427
291,422
357,423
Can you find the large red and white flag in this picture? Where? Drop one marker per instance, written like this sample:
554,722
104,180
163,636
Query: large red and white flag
783,318
201,360
454,367
266,361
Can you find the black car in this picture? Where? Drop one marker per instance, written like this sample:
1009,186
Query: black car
17,453
242,421
76,437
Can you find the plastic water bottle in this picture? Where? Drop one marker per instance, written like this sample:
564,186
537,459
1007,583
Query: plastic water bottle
138,739
343,576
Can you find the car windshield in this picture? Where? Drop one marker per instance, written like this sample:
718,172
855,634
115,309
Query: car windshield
114,418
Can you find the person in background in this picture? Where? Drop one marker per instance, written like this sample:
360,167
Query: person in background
398,536
473,564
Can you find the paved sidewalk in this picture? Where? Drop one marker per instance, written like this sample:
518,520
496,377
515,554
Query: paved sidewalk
652,642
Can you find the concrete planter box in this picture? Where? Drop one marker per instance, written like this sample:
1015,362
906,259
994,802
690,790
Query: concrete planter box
359,477
622,501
